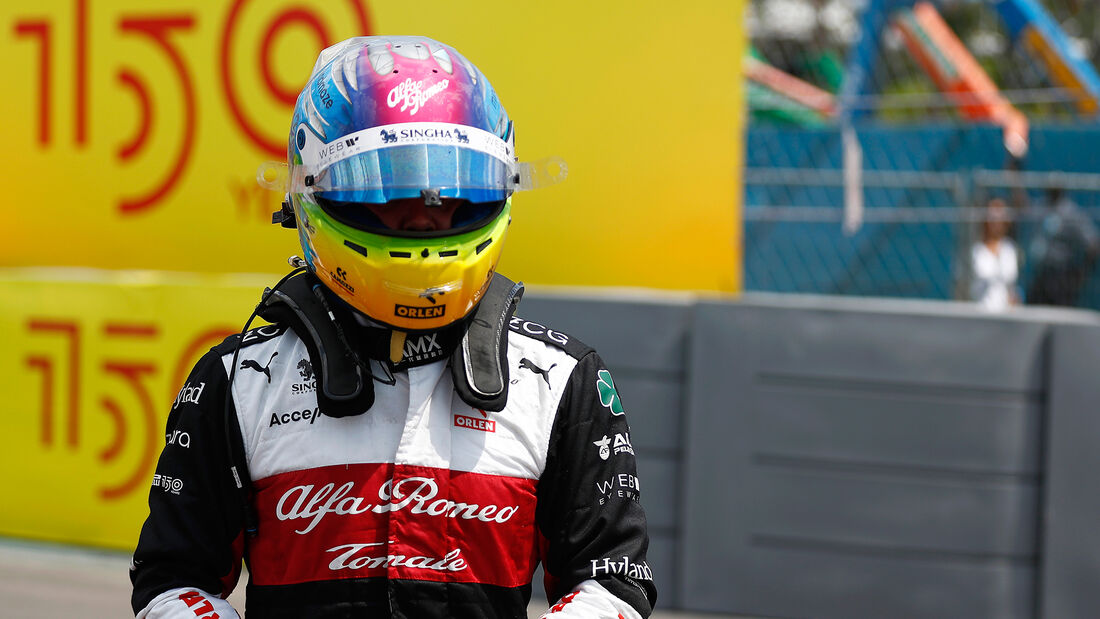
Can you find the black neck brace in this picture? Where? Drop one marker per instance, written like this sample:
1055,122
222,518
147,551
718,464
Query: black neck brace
341,344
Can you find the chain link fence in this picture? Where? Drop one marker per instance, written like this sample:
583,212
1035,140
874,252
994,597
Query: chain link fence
927,173
922,248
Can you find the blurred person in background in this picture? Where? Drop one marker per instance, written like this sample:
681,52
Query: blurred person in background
1063,251
396,443
994,261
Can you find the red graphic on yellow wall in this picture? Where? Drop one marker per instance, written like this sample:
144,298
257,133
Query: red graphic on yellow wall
61,379
145,123
133,130
93,369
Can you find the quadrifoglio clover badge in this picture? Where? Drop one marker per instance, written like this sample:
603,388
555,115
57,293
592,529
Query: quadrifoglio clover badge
608,396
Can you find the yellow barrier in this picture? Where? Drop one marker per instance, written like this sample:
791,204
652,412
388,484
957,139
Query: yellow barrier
90,370
133,130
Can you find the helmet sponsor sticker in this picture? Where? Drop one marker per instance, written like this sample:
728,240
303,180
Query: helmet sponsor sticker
318,155
419,313
410,94
340,278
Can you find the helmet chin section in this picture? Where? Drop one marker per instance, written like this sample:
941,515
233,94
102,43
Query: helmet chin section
406,283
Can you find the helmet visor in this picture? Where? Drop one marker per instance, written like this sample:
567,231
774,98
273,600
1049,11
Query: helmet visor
413,217
393,162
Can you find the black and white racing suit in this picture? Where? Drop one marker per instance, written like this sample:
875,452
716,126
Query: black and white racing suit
421,507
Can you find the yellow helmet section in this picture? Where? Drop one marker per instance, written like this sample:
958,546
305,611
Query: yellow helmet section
407,283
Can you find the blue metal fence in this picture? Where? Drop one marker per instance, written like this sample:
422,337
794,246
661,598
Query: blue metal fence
920,187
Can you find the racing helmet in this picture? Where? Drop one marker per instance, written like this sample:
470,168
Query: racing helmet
394,122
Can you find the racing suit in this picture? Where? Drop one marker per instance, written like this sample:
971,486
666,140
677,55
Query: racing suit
423,506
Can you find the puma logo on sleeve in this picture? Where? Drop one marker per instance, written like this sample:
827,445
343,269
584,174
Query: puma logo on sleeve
263,369
527,364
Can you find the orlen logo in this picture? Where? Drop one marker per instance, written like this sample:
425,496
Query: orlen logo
473,423
410,311
189,394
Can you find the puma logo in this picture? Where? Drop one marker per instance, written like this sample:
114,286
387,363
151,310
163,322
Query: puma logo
251,364
526,364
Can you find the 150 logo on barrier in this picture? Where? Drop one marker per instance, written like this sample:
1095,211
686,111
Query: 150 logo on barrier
146,122
63,381
93,370
171,35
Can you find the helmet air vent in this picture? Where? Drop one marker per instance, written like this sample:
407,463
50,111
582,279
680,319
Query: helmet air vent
338,81
444,60
356,247
381,60
351,77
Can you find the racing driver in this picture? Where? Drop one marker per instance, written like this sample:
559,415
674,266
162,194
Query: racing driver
395,442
